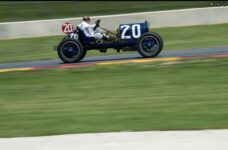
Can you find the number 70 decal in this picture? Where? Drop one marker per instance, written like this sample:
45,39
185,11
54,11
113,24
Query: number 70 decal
136,31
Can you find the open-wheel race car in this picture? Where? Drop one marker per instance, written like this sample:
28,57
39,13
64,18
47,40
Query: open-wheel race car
129,37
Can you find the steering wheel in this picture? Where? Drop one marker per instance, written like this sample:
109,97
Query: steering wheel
97,22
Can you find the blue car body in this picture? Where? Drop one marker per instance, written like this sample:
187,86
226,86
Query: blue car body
131,40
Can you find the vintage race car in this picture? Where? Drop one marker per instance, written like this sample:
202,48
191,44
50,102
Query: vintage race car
129,37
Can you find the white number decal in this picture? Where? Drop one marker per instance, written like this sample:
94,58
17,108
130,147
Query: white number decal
136,27
68,28
126,27
136,31
74,36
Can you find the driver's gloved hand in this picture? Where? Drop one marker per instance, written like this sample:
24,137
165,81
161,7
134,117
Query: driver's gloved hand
97,22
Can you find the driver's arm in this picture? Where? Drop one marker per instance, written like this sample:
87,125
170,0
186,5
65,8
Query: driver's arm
92,26
95,25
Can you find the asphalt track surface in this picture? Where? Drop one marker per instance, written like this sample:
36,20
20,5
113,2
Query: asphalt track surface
110,58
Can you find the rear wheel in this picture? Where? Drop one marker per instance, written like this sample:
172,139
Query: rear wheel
84,54
150,44
70,51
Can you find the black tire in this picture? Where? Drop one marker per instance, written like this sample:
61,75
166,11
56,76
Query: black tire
148,41
84,54
70,50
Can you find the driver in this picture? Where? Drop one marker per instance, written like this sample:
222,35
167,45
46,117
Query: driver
92,30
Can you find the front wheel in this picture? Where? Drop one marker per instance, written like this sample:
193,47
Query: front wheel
150,44
70,51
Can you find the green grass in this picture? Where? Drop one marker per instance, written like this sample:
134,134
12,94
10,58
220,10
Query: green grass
137,97
175,38
21,11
